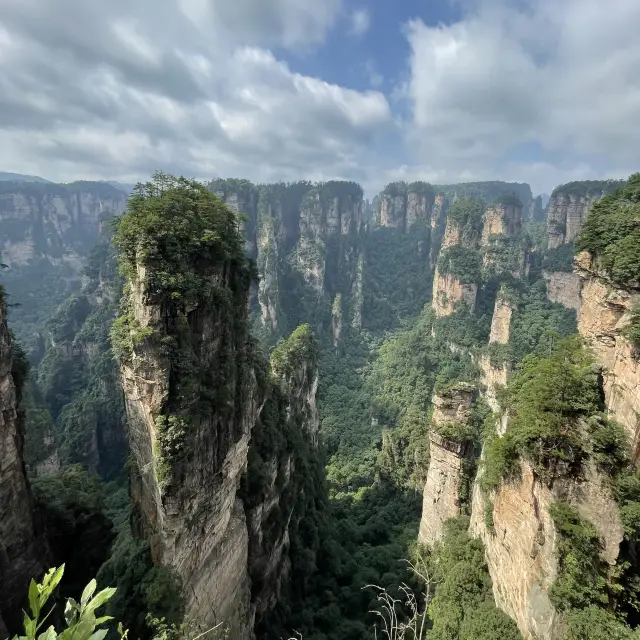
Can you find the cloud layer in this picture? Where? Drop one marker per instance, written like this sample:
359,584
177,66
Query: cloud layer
531,90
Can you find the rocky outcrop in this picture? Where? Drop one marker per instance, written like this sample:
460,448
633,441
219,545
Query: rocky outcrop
448,292
501,319
502,218
604,311
306,240
569,206
187,475
448,449
273,508
520,541
403,205
56,221
564,288
21,546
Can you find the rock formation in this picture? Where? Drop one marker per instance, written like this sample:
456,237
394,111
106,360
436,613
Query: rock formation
21,546
213,440
604,311
403,205
448,448
502,218
520,542
563,287
494,375
56,221
306,241
569,206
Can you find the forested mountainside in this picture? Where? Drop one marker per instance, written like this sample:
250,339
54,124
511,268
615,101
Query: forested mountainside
256,404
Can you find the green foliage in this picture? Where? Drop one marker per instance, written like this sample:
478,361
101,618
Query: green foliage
80,617
586,187
508,200
464,264
466,212
463,603
549,396
397,276
595,623
611,233
179,231
632,330
296,351
487,191
71,505
504,256
559,259
581,579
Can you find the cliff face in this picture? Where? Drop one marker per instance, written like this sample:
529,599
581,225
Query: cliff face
21,547
569,206
186,497
60,222
502,219
441,496
306,240
521,545
564,288
604,310
402,205
275,483
218,442
448,292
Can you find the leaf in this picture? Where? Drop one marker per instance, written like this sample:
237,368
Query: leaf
49,634
29,627
100,598
88,592
34,598
103,619
98,635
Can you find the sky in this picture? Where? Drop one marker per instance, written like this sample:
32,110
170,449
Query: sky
537,91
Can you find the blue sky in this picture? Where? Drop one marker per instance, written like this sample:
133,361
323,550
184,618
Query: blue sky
540,91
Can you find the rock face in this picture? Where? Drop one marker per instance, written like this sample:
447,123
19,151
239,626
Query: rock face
273,511
57,221
494,376
564,288
502,219
569,206
448,292
520,548
188,506
441,499
306,239
21,547
604,310
402,205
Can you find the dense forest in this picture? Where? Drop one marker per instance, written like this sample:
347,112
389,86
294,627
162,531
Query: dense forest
283,299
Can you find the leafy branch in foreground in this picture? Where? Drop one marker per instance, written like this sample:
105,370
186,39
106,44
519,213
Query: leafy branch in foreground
80,618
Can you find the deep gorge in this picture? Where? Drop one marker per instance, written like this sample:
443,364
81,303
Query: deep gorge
248,402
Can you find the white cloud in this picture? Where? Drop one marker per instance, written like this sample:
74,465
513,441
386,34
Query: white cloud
360,22
118,89
564,76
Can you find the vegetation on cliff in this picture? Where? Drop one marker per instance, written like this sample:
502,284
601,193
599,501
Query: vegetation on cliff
611,233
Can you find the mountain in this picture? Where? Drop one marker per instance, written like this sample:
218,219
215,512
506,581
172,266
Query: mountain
6,176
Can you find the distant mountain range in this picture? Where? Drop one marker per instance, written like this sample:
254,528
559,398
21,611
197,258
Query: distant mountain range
8,176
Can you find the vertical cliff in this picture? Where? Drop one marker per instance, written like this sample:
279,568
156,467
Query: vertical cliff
21,547
220,444
306,240
527,493
279,481
403,205
190,391
458,271
569,206
449,446
606,309
568,209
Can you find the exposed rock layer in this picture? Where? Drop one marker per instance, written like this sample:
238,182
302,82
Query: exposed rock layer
604,311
